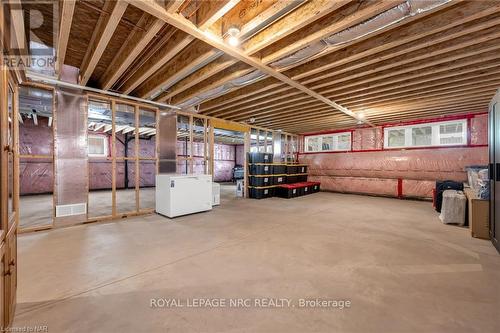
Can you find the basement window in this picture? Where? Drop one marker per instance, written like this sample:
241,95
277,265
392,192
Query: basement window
444,133
328,142
98,146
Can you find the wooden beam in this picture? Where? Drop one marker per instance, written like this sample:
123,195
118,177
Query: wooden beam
104,37
428,31
183,24
488,40
210,11
193,56
301,17
177,42
130,51
98,127
68,8
173,5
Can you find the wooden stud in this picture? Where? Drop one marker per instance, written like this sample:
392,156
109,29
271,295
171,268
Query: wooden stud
68,8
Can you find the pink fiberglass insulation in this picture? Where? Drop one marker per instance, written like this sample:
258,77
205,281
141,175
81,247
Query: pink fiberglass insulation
224,159
100,174
240,154
36,176
223,170
418,164
479,130
374,186
417,188
369,169
36,139
147,174
367,138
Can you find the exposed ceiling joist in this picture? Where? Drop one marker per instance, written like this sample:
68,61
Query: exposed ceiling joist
104,37
426,31
290,23
277,10
180,42
173,5
131,50
179,22
68,9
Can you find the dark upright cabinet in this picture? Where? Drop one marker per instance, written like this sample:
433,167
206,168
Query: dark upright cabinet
494,147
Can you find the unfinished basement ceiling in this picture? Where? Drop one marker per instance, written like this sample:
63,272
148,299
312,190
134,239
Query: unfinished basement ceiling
387,60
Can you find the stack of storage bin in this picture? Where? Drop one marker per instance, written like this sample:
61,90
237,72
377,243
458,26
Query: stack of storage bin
267,179
260,175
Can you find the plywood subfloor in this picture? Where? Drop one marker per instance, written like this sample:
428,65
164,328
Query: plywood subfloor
401,269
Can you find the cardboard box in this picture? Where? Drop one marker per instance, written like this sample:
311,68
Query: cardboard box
479,211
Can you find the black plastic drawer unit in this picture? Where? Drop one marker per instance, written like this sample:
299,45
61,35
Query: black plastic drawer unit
279,179
260,158
279,169
261,169
261,192
261,180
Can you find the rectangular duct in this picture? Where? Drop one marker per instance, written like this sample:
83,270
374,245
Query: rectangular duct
70,149
167,139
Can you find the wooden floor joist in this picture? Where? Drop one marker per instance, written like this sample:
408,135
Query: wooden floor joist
154,9
176,52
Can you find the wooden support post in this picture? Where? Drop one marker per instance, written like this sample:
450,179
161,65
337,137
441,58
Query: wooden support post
137,161
113,158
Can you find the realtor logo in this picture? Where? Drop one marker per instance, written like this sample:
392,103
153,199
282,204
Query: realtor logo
30,34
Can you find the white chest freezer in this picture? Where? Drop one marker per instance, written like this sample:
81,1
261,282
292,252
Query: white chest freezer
178,195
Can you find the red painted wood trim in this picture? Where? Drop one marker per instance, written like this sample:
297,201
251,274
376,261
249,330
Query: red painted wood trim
385,149
402,123
400,188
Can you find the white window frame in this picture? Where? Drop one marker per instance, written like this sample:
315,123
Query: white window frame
334,136
436,135
105,143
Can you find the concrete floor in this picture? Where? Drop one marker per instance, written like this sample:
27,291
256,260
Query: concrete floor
36,210
401,269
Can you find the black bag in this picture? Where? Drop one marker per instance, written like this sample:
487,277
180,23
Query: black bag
443,186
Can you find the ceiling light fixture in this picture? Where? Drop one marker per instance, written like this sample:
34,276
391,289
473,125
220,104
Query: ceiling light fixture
233,33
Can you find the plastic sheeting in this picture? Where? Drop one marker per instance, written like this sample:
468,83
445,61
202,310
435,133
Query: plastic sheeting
36,176
70,143
417,164
368,138
36,139
362,185
479,130
223,170
147,174
397,173
417,188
